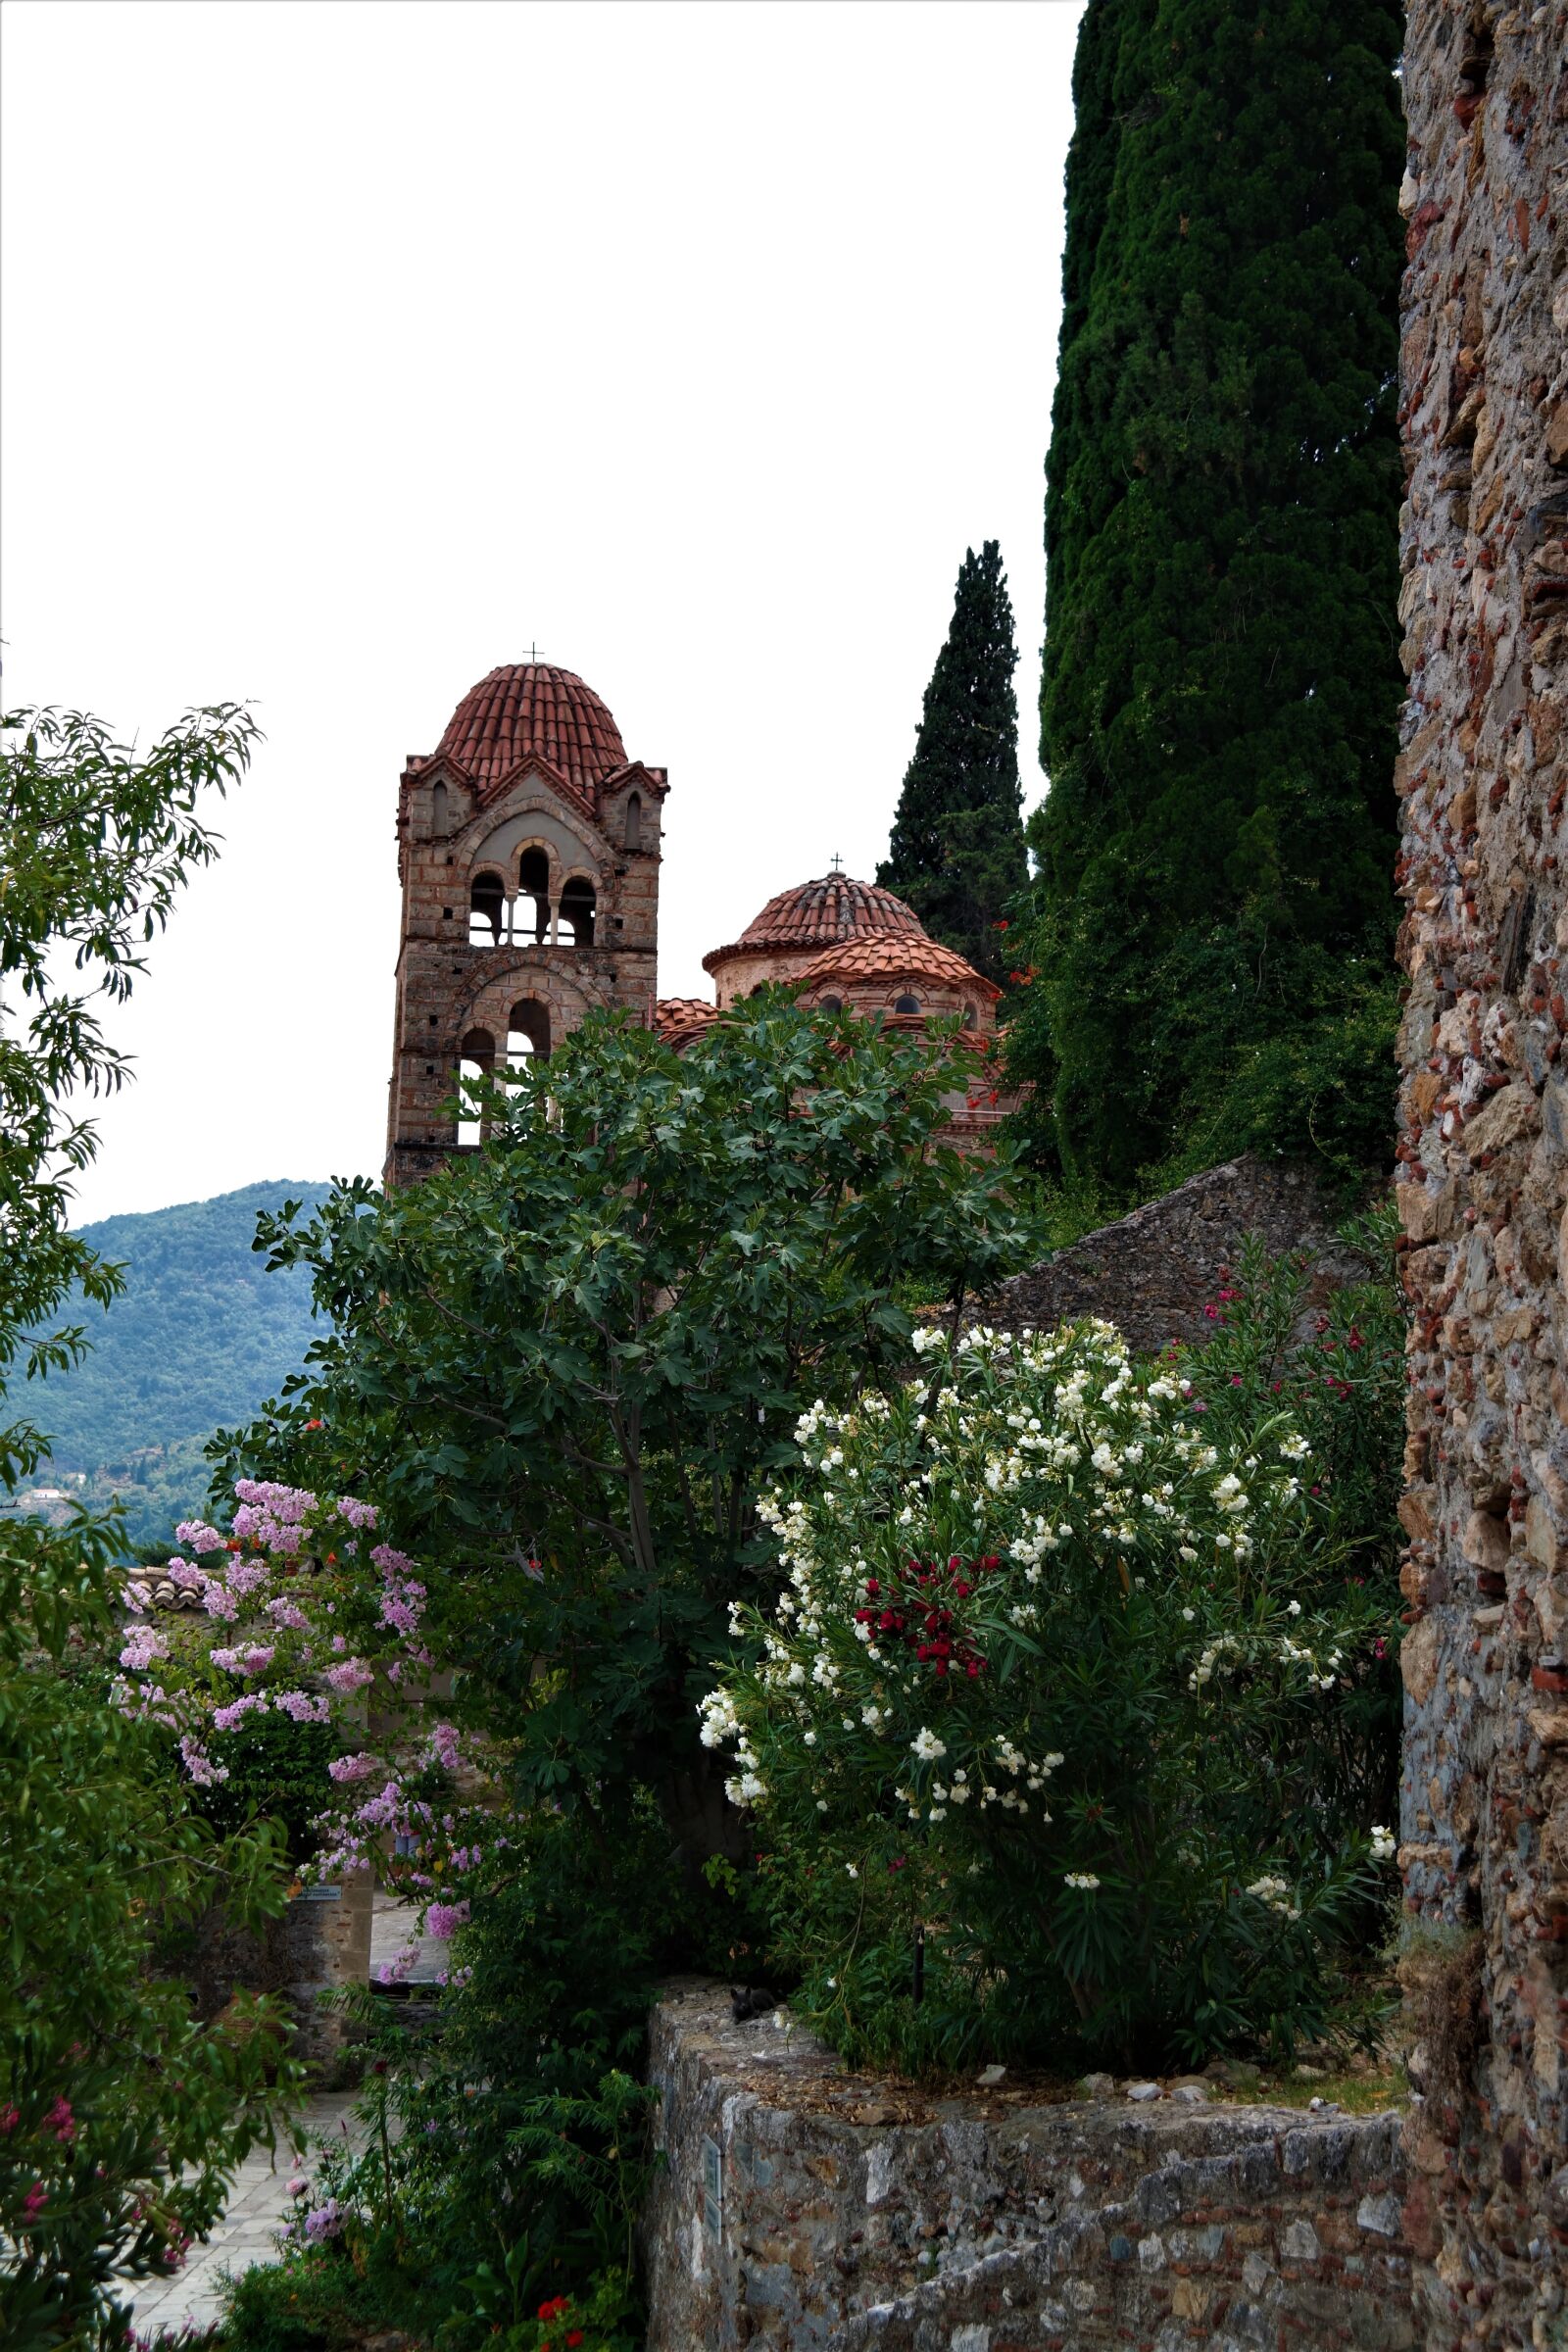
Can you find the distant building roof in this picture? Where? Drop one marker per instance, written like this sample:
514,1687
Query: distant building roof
834,906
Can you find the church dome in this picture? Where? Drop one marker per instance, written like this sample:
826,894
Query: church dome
817,914
531,707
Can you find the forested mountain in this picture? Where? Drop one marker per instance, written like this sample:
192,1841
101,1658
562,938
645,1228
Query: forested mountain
202,1336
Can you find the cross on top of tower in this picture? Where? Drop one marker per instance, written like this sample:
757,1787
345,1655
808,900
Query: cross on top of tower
837,866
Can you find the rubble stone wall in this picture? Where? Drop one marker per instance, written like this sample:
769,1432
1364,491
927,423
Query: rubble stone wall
1151,1272
1484,1153
805,2205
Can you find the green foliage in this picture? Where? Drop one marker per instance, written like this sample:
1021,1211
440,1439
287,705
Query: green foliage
956,851
200,1336
1075,1727
564,1362
122,2117
521,2151
1213,917
276,1768
95,844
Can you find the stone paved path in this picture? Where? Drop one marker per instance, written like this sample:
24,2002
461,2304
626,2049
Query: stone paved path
257,2207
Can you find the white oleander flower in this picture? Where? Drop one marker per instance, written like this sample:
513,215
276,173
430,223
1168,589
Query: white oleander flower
1385,1845
1083,1878
927,1747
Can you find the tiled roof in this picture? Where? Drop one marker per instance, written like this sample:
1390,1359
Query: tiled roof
532,707
674,1016
833,908
894,955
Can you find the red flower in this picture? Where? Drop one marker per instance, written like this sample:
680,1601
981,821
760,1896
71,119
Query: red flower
315,1424
554,2307
575,2337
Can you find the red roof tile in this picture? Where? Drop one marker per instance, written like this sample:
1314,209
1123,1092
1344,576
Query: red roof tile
813,913
677,1016
893,955
531,707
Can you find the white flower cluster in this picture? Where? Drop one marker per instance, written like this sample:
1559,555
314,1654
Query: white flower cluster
1084,1880
1385,1845
1275,1893
931,1540
1224,1646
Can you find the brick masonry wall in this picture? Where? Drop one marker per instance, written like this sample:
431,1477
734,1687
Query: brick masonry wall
1484,1154
448,985
803,2205
1151,1272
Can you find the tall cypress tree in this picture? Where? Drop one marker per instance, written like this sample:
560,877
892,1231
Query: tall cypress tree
1215,905
958,847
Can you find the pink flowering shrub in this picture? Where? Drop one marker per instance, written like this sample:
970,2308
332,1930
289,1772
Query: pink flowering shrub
317,1631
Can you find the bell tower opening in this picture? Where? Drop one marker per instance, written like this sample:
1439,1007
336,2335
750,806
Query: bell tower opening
578,905
532,919
529,1032
487,909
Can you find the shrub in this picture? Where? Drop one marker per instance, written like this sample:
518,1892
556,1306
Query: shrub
1036,1736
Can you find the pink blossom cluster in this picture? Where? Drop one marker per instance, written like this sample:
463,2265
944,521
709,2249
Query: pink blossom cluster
144,1649
351,1676
199,1764
196,1535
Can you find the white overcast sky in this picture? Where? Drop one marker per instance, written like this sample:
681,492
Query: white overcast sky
352,347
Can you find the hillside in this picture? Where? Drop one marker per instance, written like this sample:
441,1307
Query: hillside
202,1336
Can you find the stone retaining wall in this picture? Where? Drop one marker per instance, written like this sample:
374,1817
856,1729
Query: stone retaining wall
1151,1272
805,2205
1484,1152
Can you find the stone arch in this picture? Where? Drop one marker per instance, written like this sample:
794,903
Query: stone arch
566,999
907,1001
570,841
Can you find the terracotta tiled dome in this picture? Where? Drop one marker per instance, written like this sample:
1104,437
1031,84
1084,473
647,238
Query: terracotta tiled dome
893,955
816,914
532,707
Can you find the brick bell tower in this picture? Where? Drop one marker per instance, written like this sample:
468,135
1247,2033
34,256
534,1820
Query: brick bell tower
528,850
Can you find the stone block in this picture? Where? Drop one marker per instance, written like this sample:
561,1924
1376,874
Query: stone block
835,2249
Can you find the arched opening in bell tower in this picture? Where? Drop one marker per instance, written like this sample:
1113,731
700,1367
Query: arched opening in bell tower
577,902
487,909
528,1031
532,916
476,1060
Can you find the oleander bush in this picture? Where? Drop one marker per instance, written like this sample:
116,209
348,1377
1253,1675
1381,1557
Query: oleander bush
1072,1726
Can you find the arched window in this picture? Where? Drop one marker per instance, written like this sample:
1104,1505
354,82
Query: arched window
906,1004
532,917
830,1003
487,909
971,1018
528,1031
476,1059
438,811
634,822
578,909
